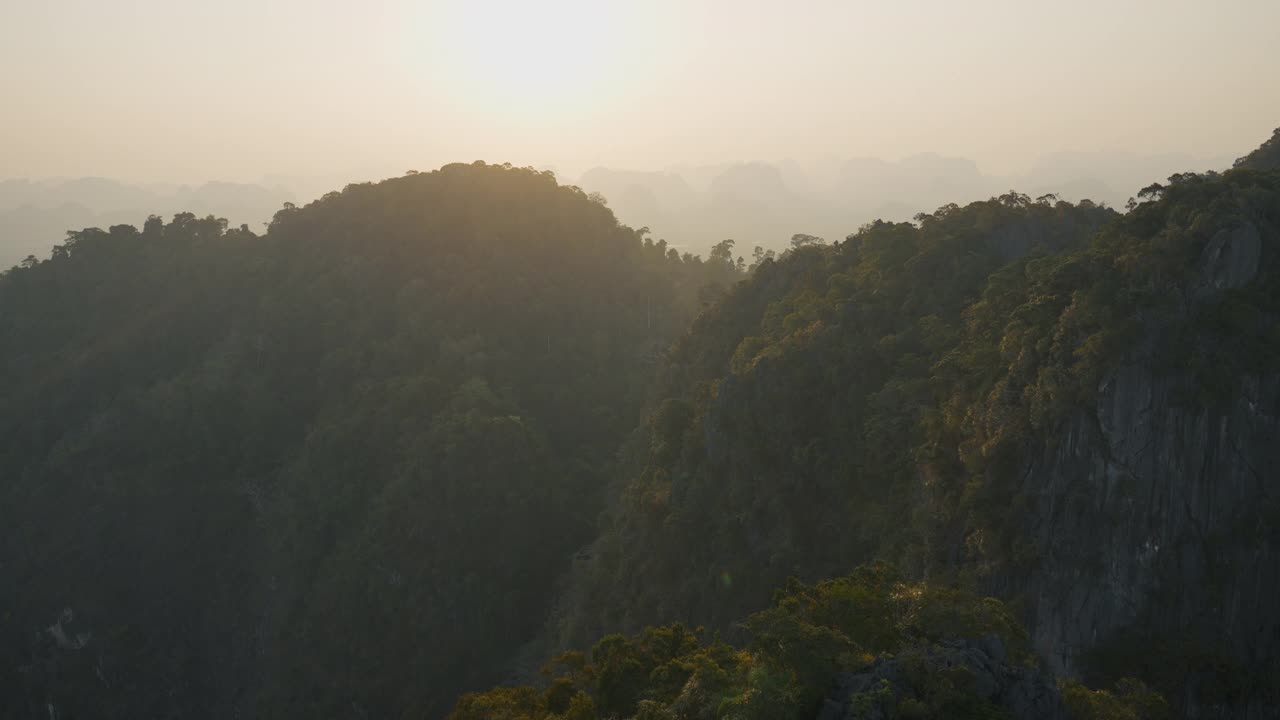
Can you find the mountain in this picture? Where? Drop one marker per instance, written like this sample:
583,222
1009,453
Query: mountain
764,204
334,468
36,215
644,193
1011,459
1067,408
783,411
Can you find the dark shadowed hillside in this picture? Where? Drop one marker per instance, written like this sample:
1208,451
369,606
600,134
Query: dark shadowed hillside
880,361
336,466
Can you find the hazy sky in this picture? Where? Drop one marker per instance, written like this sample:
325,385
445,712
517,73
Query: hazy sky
238,89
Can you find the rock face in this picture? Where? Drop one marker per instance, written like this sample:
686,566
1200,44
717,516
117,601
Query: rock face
1230,259
1153,493
1155,524
978,671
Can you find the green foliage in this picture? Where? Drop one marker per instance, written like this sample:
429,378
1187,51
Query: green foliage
795,415
1131,700
502,704
1046,331
796,650
338,466
361,449
1266,157
883,397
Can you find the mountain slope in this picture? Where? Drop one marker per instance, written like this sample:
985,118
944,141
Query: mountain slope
255,474
785,442
1081,429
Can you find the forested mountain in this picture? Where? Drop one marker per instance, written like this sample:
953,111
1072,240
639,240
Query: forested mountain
1064,407
422,433
333,469
788,414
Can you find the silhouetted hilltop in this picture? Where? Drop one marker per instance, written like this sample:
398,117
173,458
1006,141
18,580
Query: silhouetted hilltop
252,475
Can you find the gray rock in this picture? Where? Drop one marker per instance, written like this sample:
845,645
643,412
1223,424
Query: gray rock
1153,490
1022,691
1230,259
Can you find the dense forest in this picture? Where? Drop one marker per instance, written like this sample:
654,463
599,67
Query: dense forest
304,472
424,433
924,393
868,645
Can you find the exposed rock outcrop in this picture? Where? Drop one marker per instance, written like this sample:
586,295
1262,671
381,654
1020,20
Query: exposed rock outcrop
1153,494
944,675
1230,259
1154,522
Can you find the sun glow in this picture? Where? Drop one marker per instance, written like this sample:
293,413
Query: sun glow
528,57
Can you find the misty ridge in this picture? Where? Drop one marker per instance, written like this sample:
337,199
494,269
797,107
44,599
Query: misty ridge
37,214
764,204
693,207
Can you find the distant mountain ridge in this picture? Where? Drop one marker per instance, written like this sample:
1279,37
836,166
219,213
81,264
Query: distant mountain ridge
757,203
36,215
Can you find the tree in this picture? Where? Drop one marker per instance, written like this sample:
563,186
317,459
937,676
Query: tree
1151,192
800,240
722,252
759,256
1266,157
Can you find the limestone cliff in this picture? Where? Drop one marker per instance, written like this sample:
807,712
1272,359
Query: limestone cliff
1154,519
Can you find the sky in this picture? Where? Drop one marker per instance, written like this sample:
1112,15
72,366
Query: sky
176,91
